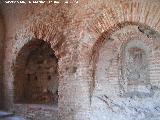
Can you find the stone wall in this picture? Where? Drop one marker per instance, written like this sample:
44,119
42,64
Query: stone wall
19,31
127,77
2,30
77,34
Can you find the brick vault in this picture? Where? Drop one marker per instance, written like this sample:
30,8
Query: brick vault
91,60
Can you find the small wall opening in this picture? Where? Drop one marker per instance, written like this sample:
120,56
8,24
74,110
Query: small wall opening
136,66
36,74
135,69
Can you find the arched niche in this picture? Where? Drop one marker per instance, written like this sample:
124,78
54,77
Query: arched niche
135,76
113,89
109,63
36,74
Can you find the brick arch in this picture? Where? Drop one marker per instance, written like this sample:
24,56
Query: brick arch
115,12
111,16
106,38
31,62
38,31
106,66
106,34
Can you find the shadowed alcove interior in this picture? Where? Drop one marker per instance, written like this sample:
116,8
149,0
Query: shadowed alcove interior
36,74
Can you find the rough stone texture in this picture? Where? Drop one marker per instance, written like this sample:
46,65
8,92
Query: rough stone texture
9,116
85,37
2,30
131,92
